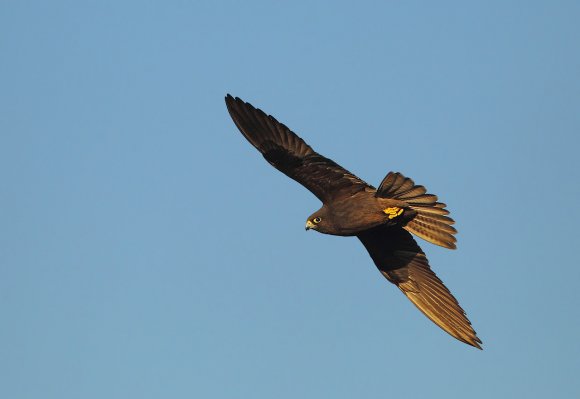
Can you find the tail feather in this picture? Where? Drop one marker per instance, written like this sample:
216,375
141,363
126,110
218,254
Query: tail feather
439,218
424,199
431,222
435,224
433,210
414,192
435,233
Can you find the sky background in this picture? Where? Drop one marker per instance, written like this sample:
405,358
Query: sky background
148,251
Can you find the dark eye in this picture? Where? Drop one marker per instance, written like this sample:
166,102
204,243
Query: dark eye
317,220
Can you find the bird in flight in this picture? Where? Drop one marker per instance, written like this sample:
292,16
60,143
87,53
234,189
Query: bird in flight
381,218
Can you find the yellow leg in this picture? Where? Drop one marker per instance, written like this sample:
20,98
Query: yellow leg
393,211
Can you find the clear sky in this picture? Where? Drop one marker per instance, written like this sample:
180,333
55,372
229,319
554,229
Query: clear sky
148,251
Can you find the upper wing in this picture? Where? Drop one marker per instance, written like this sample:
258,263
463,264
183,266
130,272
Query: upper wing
402,262
288,153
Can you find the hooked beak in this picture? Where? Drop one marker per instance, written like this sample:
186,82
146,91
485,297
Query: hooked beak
309,225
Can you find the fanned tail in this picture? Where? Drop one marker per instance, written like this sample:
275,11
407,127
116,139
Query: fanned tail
431,223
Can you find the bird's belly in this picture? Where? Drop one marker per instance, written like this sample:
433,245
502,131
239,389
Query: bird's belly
354,220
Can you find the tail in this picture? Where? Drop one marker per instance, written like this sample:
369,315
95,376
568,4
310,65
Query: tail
431,223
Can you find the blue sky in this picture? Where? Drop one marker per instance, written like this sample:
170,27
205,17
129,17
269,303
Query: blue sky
147,250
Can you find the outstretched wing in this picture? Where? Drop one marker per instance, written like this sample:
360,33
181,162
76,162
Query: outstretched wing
288,153
403,263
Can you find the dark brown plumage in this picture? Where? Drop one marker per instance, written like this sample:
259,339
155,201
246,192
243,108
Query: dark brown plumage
381,218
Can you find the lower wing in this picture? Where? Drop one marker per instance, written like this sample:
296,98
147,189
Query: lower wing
403,263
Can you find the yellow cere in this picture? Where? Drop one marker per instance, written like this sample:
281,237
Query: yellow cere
393,211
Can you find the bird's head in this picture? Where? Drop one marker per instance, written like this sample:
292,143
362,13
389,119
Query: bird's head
317,221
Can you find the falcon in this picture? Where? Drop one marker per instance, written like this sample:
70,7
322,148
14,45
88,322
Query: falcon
381,218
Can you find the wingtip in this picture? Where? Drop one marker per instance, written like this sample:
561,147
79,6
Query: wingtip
470,339
233,104
476,344
236,102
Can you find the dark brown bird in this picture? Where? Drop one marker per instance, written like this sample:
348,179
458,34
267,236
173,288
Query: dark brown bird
381,218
